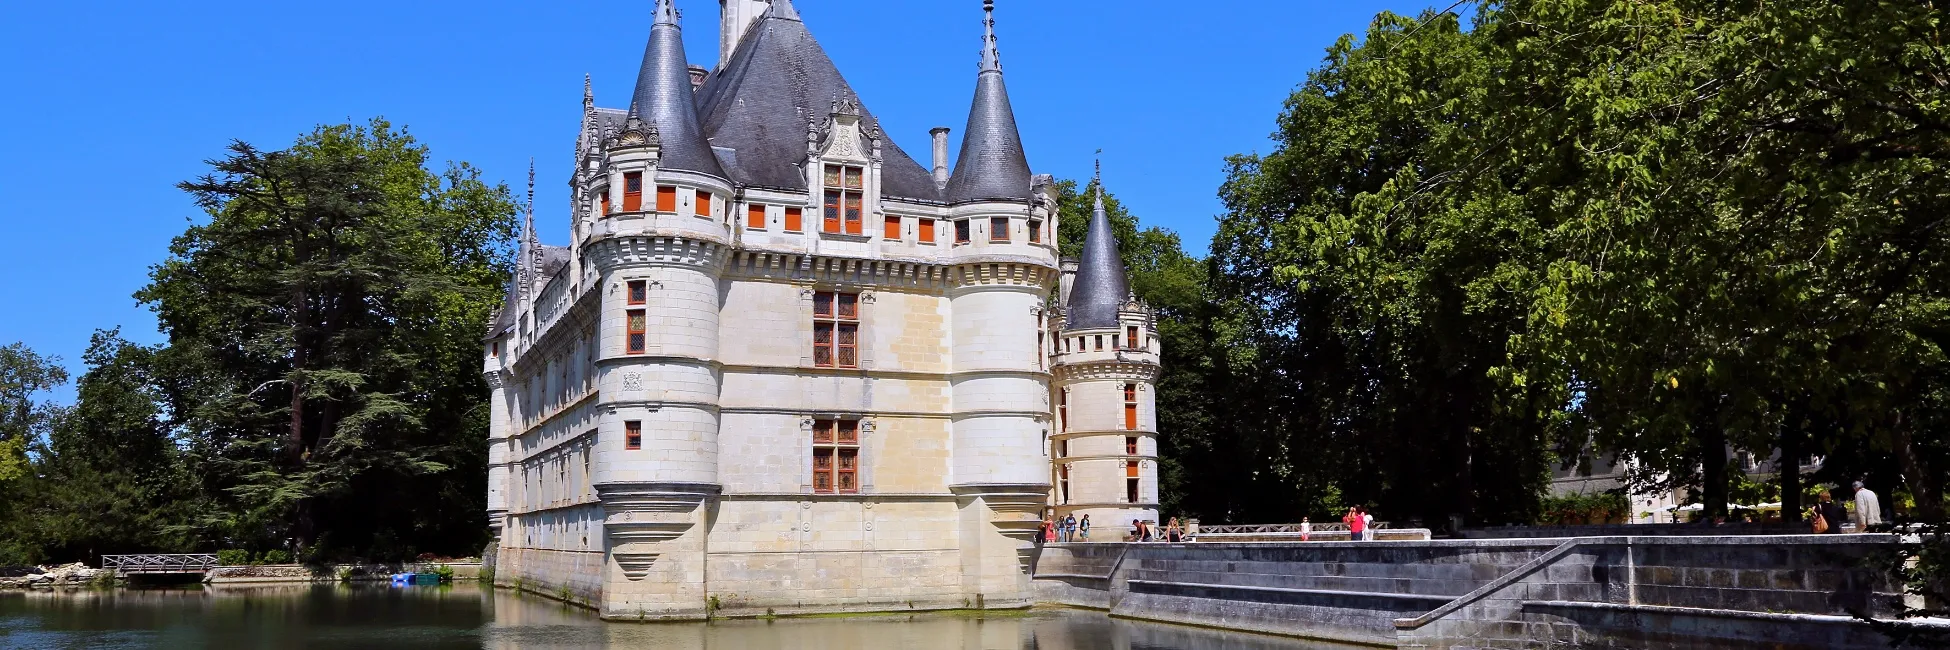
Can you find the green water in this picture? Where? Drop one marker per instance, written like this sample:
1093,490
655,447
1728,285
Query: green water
468,616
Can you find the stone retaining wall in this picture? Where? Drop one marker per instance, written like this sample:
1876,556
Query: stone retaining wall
1625,592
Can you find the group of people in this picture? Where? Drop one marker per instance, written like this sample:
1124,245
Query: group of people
1826,516
1071,529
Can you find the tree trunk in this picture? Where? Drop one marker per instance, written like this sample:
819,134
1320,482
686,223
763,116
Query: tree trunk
1792,443
1713,474
1923,485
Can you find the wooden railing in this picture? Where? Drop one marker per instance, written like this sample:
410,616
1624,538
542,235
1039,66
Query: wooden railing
129,564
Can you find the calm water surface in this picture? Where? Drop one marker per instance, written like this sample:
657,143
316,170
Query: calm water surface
468,616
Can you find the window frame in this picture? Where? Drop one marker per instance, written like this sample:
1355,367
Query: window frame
637,292
636,338
633,435
755,216
843,210
702,204
1130,407
795,219
926,228
837,442
891,228
964,232
666,198
1035,231
633,200
999,235
831,318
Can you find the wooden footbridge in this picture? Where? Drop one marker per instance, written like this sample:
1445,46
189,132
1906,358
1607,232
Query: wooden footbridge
160,564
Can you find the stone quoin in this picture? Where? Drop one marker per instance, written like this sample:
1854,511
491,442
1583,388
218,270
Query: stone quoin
784,368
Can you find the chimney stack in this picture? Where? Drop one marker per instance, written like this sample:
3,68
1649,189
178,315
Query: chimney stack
698,75
736,16
940,155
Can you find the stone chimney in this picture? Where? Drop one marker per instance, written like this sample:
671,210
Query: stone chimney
698,75
1069,279
736,16
940,155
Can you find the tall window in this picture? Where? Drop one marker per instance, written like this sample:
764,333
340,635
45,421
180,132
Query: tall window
836,456
666,198
1130,445
632,435
1063,413
755,217
1131,481
1100,342
636,330
605,199
892,230
703,203
1130,407
1035,232
927,231
1063,477
1131,337
794,221
961,232
638,293
836,329
998,229
845,187
633,192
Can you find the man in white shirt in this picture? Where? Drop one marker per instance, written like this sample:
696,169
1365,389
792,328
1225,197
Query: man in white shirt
1868,509
1367,525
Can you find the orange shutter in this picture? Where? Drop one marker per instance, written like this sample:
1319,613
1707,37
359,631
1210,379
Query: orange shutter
893,230
666,198
633,192
1130,417
927,231
605,203
755,217
832,223
703,204
792,219
1131,469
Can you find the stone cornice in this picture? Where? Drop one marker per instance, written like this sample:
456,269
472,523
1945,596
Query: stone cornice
1121,369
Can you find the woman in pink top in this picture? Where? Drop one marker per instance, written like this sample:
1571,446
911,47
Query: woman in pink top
1356,523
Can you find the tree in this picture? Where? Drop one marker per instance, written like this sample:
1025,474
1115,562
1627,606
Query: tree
23,375
323,327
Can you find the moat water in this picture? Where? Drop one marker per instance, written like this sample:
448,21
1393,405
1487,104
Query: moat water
469,616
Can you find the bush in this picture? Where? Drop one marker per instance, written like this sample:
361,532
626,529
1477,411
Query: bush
445,572
275,557
233,558
1592,508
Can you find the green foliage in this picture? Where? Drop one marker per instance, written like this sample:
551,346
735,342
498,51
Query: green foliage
274,557
234,557
445,572
1585,508
324,325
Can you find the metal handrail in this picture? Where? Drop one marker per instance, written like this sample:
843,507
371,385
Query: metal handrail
1324,527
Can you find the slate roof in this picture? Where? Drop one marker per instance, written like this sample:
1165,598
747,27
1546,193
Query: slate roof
992,163
1100,288
663,97
554,259
757,107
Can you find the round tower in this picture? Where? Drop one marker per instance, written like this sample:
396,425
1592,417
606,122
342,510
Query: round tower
1105,364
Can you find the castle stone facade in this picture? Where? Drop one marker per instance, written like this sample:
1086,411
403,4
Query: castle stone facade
783,368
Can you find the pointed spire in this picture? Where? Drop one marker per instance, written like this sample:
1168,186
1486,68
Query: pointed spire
992,165
991,57
664,98
1101,287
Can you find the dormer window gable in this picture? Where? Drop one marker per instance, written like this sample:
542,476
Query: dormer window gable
845,159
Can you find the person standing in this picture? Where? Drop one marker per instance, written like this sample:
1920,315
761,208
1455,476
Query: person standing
1868,509
1070,528
1083,528
1049,530
1356,525
1367,524
1831,513
1306,529
1173,532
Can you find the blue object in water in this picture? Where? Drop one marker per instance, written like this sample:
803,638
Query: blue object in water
411,579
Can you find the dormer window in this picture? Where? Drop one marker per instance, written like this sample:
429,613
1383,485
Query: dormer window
999,230
845,190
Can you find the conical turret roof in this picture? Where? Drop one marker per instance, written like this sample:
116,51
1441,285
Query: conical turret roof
1101,287
664,98
992,165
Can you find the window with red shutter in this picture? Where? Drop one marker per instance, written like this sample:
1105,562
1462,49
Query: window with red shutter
755,217
927,231
633,192
633,435
636,328
892,231
666,198
998,229
793,220
703,203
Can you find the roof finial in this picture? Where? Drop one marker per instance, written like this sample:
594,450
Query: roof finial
588,90
991,59
531,187
1098,181
667,12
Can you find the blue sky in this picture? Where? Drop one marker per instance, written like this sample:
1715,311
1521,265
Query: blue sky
111,103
